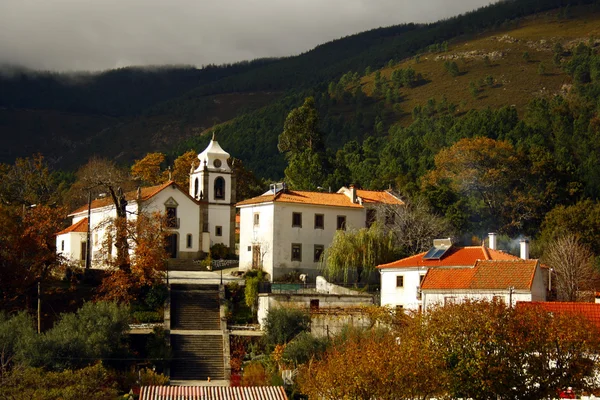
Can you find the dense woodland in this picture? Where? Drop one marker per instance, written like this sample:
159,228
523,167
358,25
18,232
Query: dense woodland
333,116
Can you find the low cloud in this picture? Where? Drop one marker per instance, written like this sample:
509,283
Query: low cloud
102,34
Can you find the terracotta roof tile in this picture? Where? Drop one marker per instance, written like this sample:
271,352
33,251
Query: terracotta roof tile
589,310
382,197
455,257
303,197
484,275
146,193
80,226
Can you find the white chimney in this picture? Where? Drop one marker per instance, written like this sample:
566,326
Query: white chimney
524,249
492,243
353,193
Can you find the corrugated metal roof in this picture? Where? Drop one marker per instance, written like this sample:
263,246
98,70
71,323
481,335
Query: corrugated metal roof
212,393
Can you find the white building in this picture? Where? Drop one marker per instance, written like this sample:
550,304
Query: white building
284,230
196,221
507,281
401,280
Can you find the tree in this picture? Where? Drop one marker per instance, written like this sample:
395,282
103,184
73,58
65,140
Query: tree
147,235
101,175
358,252
573,264
93,382
487,172
181,167
247,185
414,225
302,143
148,169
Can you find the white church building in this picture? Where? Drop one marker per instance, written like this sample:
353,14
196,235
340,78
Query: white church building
197,219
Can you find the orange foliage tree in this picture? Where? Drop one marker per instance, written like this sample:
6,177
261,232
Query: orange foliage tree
147,236
148,169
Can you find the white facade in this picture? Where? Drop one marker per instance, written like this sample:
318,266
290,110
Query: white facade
213,184
408,295
274,235
196,221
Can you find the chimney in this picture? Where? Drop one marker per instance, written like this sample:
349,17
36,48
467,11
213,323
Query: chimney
353,193
492,243
524,248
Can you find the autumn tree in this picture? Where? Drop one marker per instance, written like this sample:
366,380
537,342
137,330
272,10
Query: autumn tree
148,169
182,166
104,176
147,237
356,252
573,265
487,172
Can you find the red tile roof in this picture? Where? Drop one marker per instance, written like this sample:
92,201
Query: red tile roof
304,197
484,275
455,257
213,393
590,311
145,192
80,226
382,197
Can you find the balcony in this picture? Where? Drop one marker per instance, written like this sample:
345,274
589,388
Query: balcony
173,223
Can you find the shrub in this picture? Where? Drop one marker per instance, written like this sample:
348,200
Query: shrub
147,316
284,324
156,297
303,347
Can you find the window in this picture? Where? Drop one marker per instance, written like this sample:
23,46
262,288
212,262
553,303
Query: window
62,245
256,219
341,222
196,188
449,300
218,230
371,217
220,188
172,220
297,220
421,278
296,252
314,305
400,281
188,240
318,252
319,221
249,248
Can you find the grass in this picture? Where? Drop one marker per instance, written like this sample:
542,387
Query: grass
517,81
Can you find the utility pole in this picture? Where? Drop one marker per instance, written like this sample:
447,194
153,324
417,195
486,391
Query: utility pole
39,308
510,295
88,247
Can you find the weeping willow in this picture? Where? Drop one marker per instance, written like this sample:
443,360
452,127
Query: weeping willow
358,252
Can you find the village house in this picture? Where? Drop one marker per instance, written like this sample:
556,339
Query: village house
401,280
196,219
285,230
507,281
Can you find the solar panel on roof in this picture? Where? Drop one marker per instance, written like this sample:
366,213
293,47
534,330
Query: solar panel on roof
436,252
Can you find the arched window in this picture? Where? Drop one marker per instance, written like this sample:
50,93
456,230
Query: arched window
196,188
220,188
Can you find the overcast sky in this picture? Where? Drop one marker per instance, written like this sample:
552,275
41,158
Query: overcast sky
103,34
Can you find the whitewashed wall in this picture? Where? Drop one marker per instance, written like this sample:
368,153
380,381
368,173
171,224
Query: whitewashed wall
406,296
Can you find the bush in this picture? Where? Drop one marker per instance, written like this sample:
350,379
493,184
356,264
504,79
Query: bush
147,317
219,251
284,324
303,347
156,297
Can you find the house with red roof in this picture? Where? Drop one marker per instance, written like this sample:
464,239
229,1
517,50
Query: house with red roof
285,230
401,280
507,281
590,311
197,218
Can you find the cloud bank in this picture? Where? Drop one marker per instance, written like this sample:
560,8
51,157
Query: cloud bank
71,35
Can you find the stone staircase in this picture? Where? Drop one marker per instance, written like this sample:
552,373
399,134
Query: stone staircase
182,264
198,339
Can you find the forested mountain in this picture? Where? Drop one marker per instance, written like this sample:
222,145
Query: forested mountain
513,86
